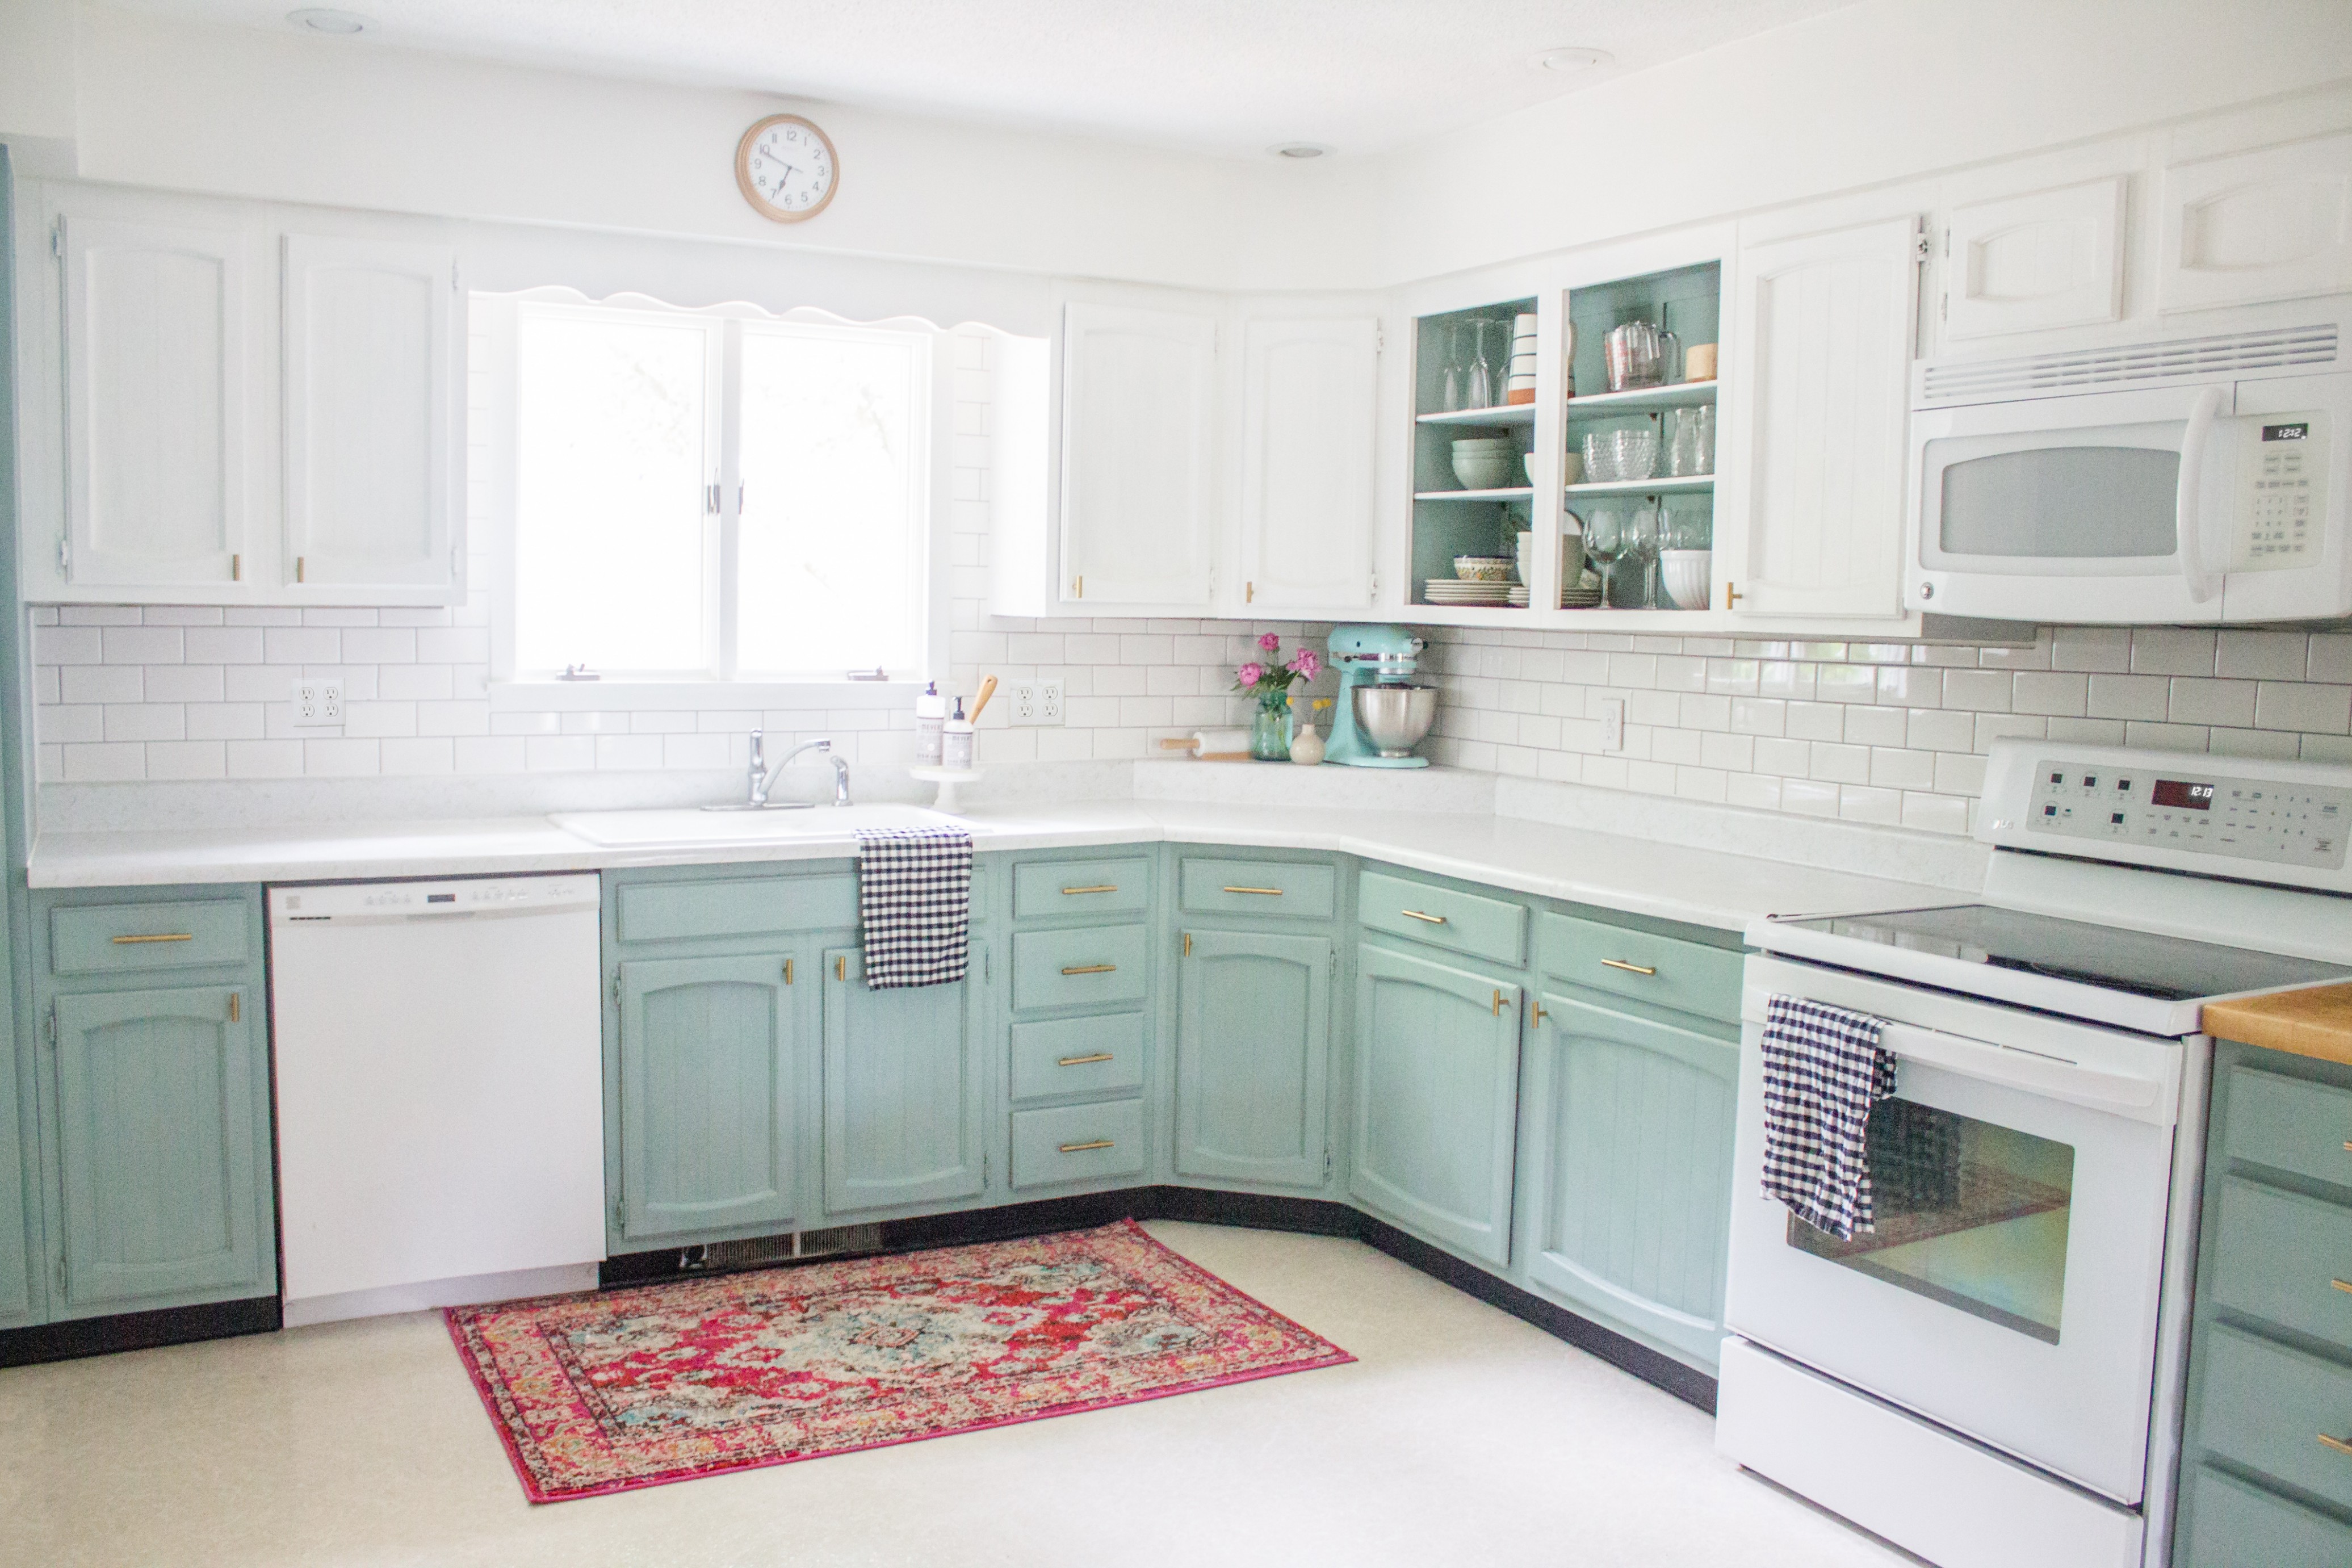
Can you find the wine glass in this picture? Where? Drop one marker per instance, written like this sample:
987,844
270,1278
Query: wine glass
1451,397
1482,377
1606,539
1642,544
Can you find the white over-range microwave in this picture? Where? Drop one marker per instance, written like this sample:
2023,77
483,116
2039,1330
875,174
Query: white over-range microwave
2192,479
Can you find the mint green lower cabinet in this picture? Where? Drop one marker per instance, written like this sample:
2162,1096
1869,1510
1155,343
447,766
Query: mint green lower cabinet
160,1097
1626,1176
16,1177
707,1101
1437,1068
903,1090
2232,1524
1253,1053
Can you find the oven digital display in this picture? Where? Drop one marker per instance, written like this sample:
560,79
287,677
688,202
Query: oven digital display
2286,432
2187,797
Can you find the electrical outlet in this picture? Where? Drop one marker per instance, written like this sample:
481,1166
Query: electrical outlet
1049,702
1036,701
318,702
1023,695
1612,724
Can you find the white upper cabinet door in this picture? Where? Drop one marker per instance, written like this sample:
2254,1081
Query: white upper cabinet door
1138,394
368,397
2249,227
1816,411
155,373
1310,418
2020,264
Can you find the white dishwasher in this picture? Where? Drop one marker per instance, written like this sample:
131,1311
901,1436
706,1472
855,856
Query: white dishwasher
440,1098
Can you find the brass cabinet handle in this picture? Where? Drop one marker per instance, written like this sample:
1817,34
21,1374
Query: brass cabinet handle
2339,1444
1188,944
1629,968
1088,968
1537,1015
1498,1001
2348,1143
1270,892
1417,915
788,971
841,969
1731,595
1105,888
1105,1056
191,936
2342,1285
234,1008
1105,1143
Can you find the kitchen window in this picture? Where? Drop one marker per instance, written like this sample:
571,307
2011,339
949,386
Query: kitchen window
712,495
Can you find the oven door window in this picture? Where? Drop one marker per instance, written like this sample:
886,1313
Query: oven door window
1966,1213
2075,503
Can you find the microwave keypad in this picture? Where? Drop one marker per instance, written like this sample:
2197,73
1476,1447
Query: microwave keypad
2282,492
2289,824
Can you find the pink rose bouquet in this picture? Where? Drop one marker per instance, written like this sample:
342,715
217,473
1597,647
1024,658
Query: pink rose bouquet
1269,681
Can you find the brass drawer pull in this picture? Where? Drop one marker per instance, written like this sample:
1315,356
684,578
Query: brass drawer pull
1105,1056
1629,968
1417,915
2339,1444
191,936
2342,1285
1498,1003
1269,892
841,969
1105,888
235,1009
1537,1017
1105,1143
1088,968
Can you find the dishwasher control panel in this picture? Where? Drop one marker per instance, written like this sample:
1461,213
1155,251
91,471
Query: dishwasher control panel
318,902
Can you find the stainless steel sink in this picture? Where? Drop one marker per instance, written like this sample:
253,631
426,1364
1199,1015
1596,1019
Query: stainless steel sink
691,828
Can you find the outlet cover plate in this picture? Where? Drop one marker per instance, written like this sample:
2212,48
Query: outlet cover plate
318,702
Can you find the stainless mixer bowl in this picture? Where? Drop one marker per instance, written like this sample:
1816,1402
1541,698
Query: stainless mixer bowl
1395,718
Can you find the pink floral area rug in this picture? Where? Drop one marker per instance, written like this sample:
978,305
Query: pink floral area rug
619,1389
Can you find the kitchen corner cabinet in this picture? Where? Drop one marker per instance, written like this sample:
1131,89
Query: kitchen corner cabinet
1309,416
1253,1052
904,1101
1137,508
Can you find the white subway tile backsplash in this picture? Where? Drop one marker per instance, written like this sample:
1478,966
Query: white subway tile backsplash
2128,696
186,760
2294,705
2212,702
2171,650
2263,655
102,683
2052,692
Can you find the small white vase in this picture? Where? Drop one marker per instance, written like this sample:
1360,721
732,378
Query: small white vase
1306,746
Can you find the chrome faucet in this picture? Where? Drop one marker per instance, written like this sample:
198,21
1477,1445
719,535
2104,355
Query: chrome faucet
763,778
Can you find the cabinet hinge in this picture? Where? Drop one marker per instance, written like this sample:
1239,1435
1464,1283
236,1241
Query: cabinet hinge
983,1167
1376,587
456,284
1920,246
1326,1164
987,966
620,1212
57,1272
49,1027
65,557
617,988
1943,305
57,237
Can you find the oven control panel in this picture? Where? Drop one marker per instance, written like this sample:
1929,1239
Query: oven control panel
2205,807
2282,492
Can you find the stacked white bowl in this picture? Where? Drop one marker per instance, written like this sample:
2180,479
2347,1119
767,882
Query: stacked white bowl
1486,462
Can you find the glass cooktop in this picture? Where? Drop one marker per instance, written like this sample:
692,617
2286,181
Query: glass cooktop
2168,968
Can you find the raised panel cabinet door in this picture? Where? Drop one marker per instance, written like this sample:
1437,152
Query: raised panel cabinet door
707,1100
2274,224
1628,1180
2024,263
902,1090
1310,405
369,355
1252,1056
1816,416
163,1147
1138,394
156,385
1437,1071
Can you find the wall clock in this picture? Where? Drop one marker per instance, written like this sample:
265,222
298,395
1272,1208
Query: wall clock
786,169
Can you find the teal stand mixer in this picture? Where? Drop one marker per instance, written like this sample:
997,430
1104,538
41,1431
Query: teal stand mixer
1380,715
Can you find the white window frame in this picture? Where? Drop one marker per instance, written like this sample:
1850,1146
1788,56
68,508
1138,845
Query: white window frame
492,437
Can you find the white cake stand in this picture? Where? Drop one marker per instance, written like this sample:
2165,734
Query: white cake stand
948,779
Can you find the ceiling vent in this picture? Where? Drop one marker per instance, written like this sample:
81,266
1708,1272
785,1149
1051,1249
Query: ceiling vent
2132,364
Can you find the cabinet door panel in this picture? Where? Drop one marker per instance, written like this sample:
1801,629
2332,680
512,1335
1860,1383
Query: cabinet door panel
1309,407
155,382
2275,224
707,1101
159,1147
2053,258
1628,1189
369,354
1437,1063
1817,413
1138,391
902,1090
1253,1050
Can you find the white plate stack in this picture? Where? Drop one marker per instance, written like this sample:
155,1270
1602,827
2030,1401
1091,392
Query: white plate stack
1453,591
1520,387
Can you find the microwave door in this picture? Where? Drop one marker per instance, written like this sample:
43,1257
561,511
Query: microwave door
2277,508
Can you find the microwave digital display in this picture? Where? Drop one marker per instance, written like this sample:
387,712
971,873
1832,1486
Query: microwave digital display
2287,432
2187,797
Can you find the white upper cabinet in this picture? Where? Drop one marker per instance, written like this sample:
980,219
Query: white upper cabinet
2025,263
1311,407
1810,511
155,379
2246,227
1139,396
370,425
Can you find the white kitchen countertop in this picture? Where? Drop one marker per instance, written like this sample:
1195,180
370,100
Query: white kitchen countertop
1637,875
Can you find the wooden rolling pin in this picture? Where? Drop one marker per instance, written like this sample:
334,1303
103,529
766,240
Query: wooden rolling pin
987,691
1212,745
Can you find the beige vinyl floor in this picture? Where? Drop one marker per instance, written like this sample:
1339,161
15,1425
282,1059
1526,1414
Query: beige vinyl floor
1460,1435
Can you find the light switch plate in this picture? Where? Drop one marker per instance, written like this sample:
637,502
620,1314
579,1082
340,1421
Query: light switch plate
318,702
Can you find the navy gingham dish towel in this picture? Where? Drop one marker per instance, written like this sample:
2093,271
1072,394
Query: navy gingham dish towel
914,898
1824,1069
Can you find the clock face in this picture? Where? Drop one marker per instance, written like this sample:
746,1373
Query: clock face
786,169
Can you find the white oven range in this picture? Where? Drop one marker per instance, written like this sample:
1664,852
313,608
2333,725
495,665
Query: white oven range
1992,1375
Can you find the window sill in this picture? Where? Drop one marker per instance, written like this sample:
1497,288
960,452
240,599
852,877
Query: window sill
690,696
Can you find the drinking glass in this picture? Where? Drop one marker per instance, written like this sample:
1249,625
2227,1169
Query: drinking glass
1481,376
1642,545
1450,398
1706,439
1606,539
1689,525
1682,458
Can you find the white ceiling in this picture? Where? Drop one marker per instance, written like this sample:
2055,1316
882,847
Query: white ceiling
1213,76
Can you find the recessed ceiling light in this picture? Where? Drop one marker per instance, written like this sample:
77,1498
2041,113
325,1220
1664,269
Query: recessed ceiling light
1569,61
1298,150
341,23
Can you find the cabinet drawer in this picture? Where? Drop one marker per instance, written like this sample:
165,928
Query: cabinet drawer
2290,1124
2277,1256
100,938
752,906
1258,888
1444,918
2267,1406
1077,1144
1042,888
1085,1056
1090,966
1687,976
2232,1522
